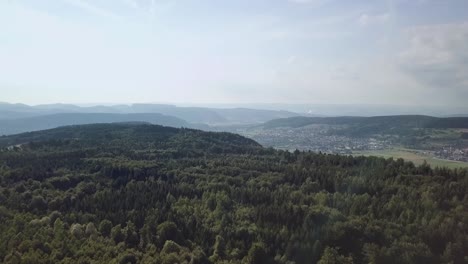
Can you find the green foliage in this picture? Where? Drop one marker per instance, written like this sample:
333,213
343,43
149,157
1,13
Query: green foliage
117,234
165,195
167,231
105,227
375,124
464,136
90,230
257,254
331,256
77,231
219,251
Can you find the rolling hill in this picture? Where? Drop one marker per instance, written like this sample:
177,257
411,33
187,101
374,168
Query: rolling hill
130,133
198,115
364,126
14,126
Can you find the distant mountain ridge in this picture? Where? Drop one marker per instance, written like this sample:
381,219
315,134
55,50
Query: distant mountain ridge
14,126
211,116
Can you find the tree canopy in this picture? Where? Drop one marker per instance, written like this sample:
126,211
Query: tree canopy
137,193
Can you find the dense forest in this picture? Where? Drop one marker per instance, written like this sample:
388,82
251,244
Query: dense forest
140,193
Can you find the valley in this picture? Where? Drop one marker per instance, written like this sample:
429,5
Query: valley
418,157
438,141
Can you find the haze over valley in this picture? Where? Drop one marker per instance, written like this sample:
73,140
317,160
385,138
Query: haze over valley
234,132
419,138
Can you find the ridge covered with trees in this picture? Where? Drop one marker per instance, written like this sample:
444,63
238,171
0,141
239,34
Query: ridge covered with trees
22,125
140,193
365,126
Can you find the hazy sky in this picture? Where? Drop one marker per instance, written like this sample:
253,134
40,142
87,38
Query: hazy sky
234,51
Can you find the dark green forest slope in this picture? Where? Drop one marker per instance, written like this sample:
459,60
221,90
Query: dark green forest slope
21,125
136,193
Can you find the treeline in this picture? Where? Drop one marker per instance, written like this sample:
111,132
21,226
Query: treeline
126,193
403,125
404,121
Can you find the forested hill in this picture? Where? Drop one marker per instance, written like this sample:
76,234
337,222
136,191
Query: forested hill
376,124
15,126
414,121
132,135
140,193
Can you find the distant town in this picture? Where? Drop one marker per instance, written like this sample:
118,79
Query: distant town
316,139
452,153
321,138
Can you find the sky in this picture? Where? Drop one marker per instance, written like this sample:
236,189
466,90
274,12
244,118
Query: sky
397,52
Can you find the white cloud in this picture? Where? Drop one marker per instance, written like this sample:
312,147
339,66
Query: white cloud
437,56
436,44
367,19
90,8
131,3
292,59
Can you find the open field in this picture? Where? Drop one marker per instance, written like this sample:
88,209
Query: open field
412,155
